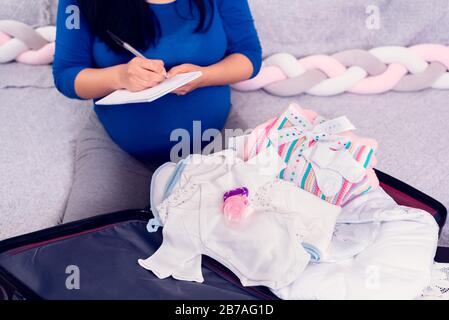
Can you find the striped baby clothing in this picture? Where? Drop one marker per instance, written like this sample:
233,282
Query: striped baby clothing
323,156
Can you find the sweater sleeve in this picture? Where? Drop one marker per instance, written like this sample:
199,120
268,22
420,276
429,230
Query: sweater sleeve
241,32
73,47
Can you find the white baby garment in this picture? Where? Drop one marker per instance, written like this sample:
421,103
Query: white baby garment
380,250
265,249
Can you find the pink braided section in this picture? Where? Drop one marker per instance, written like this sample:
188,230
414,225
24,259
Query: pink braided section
330,66
432,52
4,38
381,83
37,57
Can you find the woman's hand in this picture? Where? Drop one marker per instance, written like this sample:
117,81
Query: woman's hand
140,74
193,85
234,68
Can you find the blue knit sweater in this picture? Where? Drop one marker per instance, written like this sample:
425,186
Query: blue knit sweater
144,129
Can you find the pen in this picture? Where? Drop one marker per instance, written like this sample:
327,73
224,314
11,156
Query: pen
128,47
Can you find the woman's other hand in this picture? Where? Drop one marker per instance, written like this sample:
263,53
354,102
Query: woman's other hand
193,85
140,74
234,68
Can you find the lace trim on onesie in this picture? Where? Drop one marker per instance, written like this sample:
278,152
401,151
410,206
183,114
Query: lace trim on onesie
262,198
178,197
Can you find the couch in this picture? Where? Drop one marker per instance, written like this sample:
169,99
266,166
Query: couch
38,126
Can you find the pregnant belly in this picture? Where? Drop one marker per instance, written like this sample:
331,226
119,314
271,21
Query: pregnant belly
149,131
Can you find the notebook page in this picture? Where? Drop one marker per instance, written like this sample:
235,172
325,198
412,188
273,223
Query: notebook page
151,94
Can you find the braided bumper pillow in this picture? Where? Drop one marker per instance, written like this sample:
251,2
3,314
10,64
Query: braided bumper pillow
356,71
19,42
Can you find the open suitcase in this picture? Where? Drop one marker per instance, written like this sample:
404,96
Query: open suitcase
103,251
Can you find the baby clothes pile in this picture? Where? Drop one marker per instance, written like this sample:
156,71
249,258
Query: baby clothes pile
323,157
194,224
294,206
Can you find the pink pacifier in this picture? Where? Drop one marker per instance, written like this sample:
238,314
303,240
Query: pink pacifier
236,205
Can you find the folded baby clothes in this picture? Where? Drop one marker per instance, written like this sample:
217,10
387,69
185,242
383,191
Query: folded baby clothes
380,250
194,223
323,156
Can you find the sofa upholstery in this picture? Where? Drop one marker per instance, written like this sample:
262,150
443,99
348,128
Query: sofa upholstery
38,126
35,13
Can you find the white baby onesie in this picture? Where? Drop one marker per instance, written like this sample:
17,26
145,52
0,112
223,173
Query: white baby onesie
265,249
391,260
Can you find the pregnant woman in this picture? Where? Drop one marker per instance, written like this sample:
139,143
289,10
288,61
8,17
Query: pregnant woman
120,146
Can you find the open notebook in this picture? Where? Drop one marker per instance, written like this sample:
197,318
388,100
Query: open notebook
151,94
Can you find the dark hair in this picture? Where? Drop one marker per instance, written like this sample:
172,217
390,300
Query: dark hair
133,20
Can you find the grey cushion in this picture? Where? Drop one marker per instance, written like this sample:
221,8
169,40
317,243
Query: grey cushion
38,129
43,124
17,75
33,12
53,11
303,27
